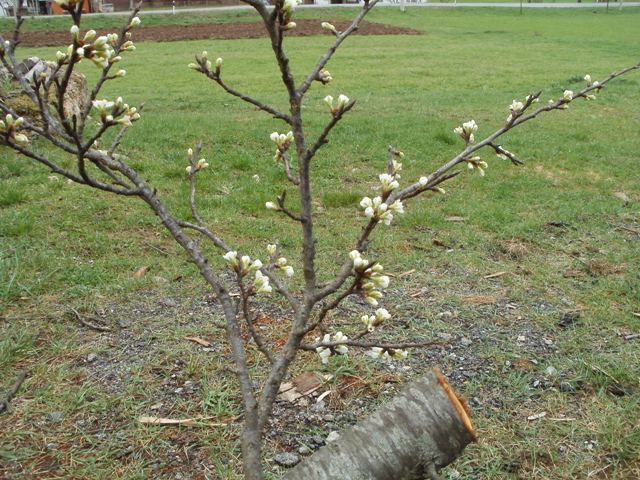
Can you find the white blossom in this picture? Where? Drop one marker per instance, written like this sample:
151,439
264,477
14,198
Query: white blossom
343,100
567,96
272,250
423,181
271,206
587,78
388,182
135,21
231,257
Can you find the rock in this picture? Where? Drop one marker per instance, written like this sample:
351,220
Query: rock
465,341
318,407
445,336
55,417
551,371
92,357
304,450
567,387
168,302
52,446
328,417
332,437
318,440
287,459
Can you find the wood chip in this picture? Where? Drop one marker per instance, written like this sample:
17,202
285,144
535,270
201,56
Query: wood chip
454,218
140,272
495,275
199,341
302,385
636,314
480,299
184,421
537,416
407,273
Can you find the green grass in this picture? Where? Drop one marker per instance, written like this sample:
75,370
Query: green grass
62,245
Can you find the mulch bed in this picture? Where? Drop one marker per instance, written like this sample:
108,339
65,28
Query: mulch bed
172,33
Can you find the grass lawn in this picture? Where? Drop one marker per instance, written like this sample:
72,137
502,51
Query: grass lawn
554,334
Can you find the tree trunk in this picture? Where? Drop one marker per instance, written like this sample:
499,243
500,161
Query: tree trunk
417,433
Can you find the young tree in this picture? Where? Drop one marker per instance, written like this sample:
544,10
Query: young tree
74,131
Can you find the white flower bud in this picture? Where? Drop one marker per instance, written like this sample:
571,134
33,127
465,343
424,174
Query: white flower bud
218,62
271,206
135,21
423,181
231,257
567,96
587,78
75,31
328,27
290,26
343,100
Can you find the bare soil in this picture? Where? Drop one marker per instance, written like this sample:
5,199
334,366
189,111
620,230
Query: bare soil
223,31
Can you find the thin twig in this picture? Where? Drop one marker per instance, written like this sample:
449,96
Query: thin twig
4,403
86,323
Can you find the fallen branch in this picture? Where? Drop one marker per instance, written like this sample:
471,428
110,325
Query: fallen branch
420,431
4,404
86,323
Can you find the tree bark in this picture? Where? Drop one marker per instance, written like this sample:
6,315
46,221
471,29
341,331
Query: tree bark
423,429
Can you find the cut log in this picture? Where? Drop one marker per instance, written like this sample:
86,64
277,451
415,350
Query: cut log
420,431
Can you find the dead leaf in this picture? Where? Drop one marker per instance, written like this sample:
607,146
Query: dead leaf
301,386
622,196
537,416
480,299
440,243
140,272
185,421
571,273
454,218
495,275
199,341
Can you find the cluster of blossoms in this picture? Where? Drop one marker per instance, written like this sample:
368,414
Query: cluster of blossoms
467,131
283,142
567,97
515,109
329,27
375,208
387,353
244,266
371,278
336,108
99,50
590,83
288,7
475,163
326,352
199,165
279,262
118,112
324,76
10,126
373,321
205,65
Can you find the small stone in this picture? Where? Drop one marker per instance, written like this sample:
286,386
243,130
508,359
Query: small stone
158,280
445,336
318,440
332,437
551,371
287,459
521,338
55,417
124,323
567,387
548,342
52,446
179,391
465,341
168,302
304,450
328,417
318,407
92,357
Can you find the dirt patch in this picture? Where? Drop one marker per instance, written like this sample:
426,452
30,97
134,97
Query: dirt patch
223,31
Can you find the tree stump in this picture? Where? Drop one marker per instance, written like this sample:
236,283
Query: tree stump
421,430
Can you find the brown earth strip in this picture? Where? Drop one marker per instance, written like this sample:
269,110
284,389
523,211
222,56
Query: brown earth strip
172,33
